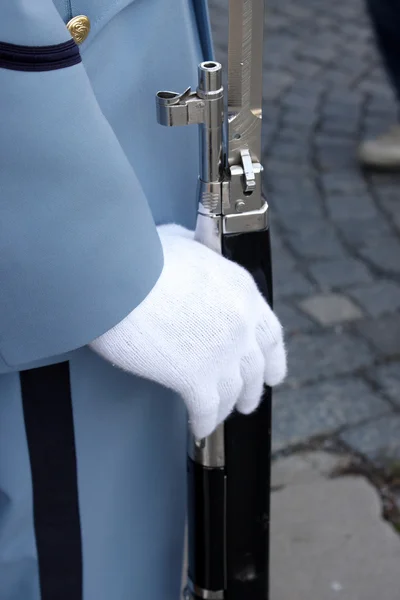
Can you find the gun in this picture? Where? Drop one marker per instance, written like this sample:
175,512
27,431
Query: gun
228,473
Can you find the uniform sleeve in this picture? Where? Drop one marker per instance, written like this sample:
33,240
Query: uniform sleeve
78,246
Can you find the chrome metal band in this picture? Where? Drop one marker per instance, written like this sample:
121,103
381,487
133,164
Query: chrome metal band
209,452
205,594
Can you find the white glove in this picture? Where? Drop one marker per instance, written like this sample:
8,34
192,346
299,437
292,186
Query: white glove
204,331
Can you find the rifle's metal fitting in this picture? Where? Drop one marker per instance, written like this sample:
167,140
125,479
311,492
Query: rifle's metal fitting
210,451
229,202
179,109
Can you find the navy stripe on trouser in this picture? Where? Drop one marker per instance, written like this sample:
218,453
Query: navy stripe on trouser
47,406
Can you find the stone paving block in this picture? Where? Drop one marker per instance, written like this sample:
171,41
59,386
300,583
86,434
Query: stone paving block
378,75
330,309
339,126
327,38
271,111
343,182
321,533
283,259
353,31
277,243
388,378
292,470
362,49
291,207
334,153
383,333
315,356
292,210
275,83
292,320
377,298
305,467
382,106
276,61
269,132
325,463
341,110
339,273
269,128
301,119
391,205
304,70
335,77
331,159
354,12
283,43
322,409
296,11
276,22
379,441
289,135
384,254
386,186
355,206
324,140
345,96
375,89
361,230
296,207
318,53
323,22
307,240
289,151
374,127
301,210
290,282
293,99
289,177
354,64
308,88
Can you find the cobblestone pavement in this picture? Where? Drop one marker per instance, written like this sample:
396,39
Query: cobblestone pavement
335,230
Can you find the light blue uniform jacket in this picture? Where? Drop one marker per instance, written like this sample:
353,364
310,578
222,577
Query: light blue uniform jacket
86,173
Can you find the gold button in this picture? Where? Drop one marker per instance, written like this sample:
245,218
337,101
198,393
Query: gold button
79,28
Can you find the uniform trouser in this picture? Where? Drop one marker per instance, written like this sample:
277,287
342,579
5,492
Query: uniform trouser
92,498
385,17
93,460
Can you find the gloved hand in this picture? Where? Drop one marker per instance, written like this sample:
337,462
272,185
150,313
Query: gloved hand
204,331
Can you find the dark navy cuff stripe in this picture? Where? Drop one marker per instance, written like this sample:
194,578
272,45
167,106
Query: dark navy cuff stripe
39,58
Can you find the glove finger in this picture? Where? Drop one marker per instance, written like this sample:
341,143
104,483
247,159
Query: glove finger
269,334
230,389
269,329
252,371
203,407
203,425
276,365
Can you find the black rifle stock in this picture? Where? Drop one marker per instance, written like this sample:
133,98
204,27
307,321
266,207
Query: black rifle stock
229,472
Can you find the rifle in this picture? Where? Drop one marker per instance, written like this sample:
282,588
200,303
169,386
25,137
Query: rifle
229,472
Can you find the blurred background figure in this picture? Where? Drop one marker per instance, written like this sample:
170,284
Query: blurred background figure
383,152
